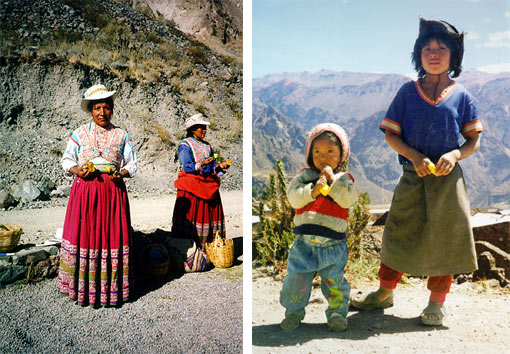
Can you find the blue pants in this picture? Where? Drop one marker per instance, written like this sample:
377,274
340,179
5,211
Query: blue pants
306,259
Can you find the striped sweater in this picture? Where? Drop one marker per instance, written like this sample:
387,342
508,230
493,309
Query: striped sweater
323,216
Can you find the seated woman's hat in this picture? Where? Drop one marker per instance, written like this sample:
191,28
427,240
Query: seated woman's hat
94,93
196,119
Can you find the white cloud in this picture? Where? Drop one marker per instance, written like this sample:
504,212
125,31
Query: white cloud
498,40
495,68
472,35
507,14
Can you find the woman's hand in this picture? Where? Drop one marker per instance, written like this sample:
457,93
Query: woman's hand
321,182
117,176
224,165
447,162
82,172
207,161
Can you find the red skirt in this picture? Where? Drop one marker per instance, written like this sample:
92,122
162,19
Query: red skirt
195,217
95,252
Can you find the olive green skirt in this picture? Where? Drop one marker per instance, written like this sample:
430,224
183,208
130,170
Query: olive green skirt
428,231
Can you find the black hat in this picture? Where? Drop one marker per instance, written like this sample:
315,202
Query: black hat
429,28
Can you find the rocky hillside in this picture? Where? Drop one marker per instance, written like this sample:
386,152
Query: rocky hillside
222,20
51,51
358,101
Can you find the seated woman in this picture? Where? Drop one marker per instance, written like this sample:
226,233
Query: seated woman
95,254
198,212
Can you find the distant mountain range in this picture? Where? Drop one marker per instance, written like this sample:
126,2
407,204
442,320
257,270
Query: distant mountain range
287,105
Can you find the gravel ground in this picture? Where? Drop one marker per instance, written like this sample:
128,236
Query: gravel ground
478,321
195,313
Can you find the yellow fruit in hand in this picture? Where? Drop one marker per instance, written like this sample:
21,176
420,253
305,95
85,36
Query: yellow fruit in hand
229,162
109,170
325,190
432,168
90,166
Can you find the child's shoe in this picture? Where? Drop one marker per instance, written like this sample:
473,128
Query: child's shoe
433,314
291,322
337,322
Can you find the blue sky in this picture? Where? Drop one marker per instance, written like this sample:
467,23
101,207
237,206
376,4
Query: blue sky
371,35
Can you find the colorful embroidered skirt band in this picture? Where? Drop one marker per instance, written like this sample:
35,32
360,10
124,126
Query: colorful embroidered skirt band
197,218
95,252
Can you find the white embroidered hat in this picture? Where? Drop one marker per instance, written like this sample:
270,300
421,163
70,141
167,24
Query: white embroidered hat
196,119
96,92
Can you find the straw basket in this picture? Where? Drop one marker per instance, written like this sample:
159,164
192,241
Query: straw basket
220,251
9,236
154,261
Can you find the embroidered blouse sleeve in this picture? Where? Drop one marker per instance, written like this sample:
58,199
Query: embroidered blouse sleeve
299,192
186,158
393,119
70,157
129,156
343,191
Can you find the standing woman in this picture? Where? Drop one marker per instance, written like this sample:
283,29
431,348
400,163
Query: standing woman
198,212
95,254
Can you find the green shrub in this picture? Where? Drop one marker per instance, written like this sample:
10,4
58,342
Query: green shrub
359,216
276,236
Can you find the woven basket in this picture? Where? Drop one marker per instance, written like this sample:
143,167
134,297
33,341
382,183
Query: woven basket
220,251
151,265
9,236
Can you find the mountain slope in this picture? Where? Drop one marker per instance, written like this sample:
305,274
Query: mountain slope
358,102
51,51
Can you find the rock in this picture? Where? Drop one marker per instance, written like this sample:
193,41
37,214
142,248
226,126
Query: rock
120,66
486,262
61,191
46,186
25,191
11,273
6,199
502,259
32,255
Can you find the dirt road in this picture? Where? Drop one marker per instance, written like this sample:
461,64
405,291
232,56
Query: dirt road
147,213
478,321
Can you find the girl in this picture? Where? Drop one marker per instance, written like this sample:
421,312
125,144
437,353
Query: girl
428,231
320,226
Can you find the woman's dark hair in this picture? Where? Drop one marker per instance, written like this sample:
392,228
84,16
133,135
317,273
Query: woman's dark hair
108,100
456,52
329,136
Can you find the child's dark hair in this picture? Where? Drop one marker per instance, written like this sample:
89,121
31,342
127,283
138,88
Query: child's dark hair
329,136
108,100
456,51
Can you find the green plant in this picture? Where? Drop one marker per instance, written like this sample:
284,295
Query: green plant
276,236
359,216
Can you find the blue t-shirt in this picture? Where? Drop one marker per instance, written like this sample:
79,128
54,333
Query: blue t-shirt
431,127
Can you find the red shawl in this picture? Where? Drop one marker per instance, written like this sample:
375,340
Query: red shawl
204,187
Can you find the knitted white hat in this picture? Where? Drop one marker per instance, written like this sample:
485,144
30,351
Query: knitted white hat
328,127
